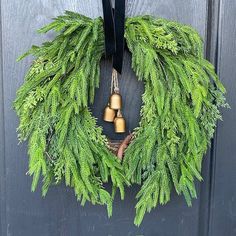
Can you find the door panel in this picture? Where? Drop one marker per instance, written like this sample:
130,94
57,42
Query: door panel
24,213
223,197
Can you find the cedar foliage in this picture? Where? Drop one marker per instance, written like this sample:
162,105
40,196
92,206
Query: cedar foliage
178,117
179,113
65,144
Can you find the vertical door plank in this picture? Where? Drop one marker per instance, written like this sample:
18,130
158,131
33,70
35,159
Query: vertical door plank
2,148
27,213
207,173
223,204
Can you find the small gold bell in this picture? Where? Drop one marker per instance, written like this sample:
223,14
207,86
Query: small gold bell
109,114
115,101
119,123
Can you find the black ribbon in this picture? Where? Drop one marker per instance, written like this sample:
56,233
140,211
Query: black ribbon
114,27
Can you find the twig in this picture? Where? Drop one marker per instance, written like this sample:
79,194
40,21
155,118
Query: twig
123,146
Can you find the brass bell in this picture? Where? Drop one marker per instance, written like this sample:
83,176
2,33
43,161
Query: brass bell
115,101
119,123
109,114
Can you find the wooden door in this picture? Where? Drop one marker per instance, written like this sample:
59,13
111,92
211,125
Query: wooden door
25,214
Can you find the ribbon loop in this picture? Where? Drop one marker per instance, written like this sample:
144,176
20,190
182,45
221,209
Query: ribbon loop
114,27
109,29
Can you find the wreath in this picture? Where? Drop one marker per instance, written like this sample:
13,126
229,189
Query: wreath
178,116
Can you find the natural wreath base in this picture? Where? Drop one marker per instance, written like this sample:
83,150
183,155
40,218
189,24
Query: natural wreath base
114,145
118,147
180,108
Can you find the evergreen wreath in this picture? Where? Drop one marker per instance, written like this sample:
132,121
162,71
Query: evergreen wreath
178,117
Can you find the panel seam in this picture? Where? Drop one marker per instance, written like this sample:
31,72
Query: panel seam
2,159
211,53
215,58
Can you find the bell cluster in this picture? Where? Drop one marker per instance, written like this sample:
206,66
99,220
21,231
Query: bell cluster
112,112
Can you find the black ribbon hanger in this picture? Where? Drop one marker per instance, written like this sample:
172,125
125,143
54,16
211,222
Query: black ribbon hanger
114,28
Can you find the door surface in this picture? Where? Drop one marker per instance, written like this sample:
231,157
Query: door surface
25,214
